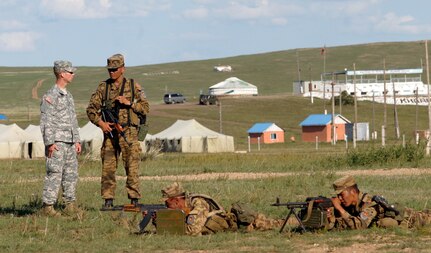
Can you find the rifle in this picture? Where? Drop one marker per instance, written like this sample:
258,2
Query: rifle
384,203
312,212
148,211
107,116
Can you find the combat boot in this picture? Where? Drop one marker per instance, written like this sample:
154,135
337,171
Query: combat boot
72,209
49,211
109,204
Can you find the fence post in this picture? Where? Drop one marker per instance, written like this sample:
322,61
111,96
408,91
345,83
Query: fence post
258,143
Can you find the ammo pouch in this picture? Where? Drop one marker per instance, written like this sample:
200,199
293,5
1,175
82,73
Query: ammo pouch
244,214
217,222
142,127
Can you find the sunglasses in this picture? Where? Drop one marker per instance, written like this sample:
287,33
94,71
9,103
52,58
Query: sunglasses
70,72
113,70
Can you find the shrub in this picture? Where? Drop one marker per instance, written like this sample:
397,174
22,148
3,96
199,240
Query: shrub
383,155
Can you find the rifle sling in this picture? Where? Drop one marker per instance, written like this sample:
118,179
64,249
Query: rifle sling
309,210
132,88
144,222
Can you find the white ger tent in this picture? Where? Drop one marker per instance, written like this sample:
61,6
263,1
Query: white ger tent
12,139
189,136
91,139
34,147
233,86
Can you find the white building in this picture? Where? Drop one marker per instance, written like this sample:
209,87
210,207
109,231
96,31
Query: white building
404,83
233,87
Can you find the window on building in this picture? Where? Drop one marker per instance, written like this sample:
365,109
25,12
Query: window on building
363,93
273,136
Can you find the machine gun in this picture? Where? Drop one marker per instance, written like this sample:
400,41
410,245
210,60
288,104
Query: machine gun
148,212
107,116
312,213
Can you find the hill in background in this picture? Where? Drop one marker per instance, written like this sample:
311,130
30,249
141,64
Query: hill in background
273,74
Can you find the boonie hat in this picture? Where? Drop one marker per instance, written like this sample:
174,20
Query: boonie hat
343,183
173,190
115,61
63,66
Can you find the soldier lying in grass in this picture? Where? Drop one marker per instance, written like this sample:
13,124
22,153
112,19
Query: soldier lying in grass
205,216
354,209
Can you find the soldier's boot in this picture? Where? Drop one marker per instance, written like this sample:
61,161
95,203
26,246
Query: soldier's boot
134,201
109,203
49,211
72,209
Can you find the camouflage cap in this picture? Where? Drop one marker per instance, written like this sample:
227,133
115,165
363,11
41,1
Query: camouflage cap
173,190
115,61
342,183
63,66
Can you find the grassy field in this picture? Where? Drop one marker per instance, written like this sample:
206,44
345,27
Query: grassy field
308,172
23,230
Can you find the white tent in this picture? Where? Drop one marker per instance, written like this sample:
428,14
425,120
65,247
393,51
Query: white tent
189,136
12,139
34,147
91,139
233,86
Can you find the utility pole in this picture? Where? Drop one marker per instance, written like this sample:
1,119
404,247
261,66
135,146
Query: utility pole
323,51
355,131
429,105
373,121
384,103
417,112
220,118
333,109
310,85
397,128
297,66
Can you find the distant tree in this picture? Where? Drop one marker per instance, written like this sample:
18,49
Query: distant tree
346,99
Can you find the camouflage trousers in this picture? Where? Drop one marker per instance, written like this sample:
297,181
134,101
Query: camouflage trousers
263,223
110,153
416,219
61,170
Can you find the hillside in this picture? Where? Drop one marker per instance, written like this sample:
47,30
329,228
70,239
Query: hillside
273,74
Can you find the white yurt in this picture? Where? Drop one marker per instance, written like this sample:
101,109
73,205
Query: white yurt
34,147
12,139
91,140
233,87
189,136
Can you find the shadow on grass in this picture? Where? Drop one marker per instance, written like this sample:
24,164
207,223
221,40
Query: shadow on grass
34,205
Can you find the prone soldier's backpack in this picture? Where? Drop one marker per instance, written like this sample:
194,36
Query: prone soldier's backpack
245,215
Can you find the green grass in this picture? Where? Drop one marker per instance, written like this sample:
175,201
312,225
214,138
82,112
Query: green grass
21,181
22,230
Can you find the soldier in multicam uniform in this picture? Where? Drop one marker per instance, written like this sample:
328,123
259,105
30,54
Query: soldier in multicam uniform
116,94
206,216
59,128
357,210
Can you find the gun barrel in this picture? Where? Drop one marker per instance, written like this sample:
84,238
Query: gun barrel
291,204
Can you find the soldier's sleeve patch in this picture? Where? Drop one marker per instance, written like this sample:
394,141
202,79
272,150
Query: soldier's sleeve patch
191,219
364,215
48,99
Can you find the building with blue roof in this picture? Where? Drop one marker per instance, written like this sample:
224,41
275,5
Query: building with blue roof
318,127
266,132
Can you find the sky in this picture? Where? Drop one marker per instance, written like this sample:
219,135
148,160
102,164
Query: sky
87,32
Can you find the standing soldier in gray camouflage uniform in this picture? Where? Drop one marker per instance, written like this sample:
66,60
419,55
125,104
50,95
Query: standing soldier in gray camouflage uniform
59,128
125,101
